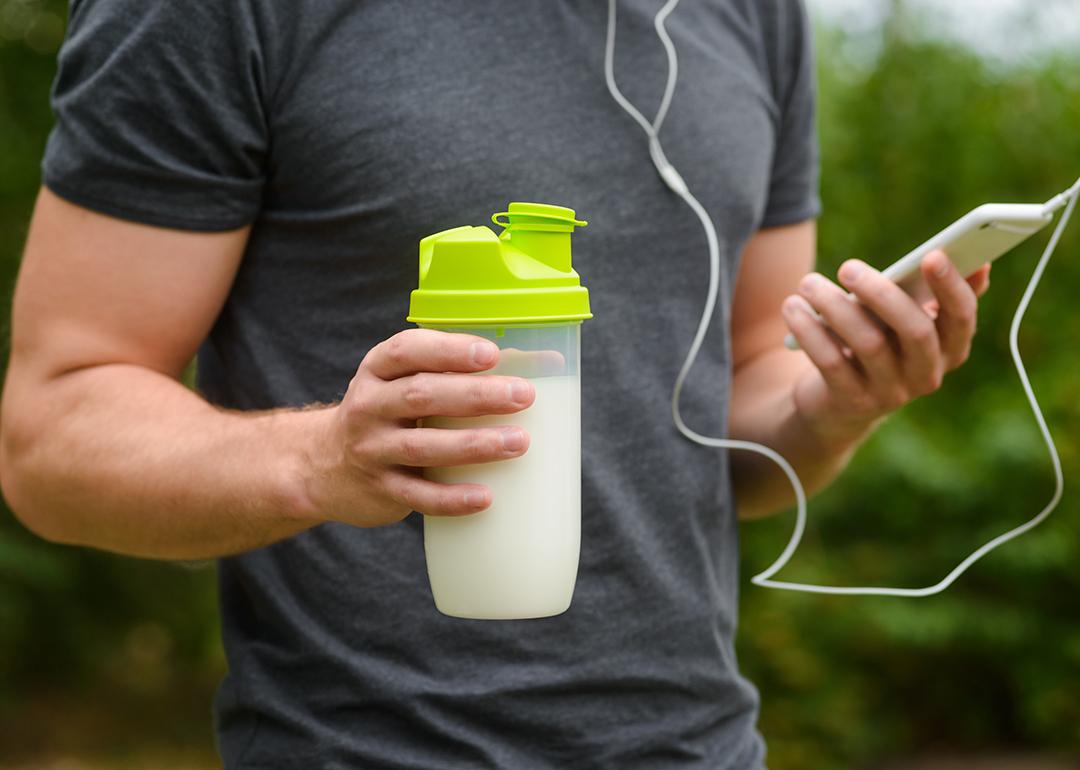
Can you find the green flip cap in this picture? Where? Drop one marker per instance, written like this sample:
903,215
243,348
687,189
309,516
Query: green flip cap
470,276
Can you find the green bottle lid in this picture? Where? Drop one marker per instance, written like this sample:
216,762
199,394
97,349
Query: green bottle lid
469,276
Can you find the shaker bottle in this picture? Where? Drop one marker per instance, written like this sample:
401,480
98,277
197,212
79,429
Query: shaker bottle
519,557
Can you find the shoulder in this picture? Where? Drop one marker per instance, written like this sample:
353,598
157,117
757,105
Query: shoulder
781,30
161,24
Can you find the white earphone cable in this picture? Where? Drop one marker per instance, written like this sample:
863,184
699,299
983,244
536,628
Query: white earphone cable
718,291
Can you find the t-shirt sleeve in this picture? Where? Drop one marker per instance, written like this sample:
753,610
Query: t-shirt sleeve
159,113
793,185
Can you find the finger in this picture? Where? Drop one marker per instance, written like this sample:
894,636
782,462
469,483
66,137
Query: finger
859,331
957,307
434,499
980,280
920,350
435,447
822,348
452,395
427,350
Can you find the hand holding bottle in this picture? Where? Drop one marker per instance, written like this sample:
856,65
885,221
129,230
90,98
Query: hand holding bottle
366,467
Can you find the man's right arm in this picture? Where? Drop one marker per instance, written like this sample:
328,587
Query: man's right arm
101,445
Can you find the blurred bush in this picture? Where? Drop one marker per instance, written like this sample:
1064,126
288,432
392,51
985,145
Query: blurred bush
914,133
78,626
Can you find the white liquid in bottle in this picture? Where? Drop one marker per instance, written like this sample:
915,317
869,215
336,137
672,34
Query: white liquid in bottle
518,558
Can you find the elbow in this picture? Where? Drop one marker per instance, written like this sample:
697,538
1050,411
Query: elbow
16,448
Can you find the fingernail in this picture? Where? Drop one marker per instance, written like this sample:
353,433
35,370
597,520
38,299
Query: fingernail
850,271
483,353
790,307
520,392
475,499
513,439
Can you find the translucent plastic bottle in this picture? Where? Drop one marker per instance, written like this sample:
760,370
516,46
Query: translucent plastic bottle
518,558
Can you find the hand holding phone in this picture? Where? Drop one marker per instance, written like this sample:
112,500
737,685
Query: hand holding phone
980,236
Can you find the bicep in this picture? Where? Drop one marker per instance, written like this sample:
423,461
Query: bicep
95,290
773,262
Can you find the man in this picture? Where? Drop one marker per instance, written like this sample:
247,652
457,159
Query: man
251,180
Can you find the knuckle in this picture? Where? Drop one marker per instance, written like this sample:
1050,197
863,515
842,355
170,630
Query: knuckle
404,492
418,392
431,504
362,454
397,347
896,398
413,448
831,362
482,444
480,392
923,333
870,343
361,400
447,502
965,315
455,502
366,363
355,452
864,404
931,383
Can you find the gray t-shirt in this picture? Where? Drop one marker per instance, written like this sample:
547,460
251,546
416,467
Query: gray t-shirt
345,131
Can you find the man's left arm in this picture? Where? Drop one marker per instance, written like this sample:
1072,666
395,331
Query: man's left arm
816,405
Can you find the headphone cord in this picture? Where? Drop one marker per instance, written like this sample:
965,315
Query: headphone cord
718,291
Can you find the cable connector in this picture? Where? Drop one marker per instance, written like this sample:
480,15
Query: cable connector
1059,201
672,179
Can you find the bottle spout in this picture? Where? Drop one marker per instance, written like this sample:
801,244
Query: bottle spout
471,277
540,230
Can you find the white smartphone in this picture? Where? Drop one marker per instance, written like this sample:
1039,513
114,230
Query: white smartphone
980,236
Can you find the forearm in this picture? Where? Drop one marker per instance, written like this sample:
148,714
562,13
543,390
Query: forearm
763,410
126,459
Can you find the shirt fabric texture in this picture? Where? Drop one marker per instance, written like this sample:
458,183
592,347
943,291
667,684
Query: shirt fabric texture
345,131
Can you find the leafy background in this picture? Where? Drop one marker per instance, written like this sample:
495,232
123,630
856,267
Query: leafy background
109,662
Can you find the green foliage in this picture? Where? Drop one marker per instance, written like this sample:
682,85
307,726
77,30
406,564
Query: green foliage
910,141
75,620
914,133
